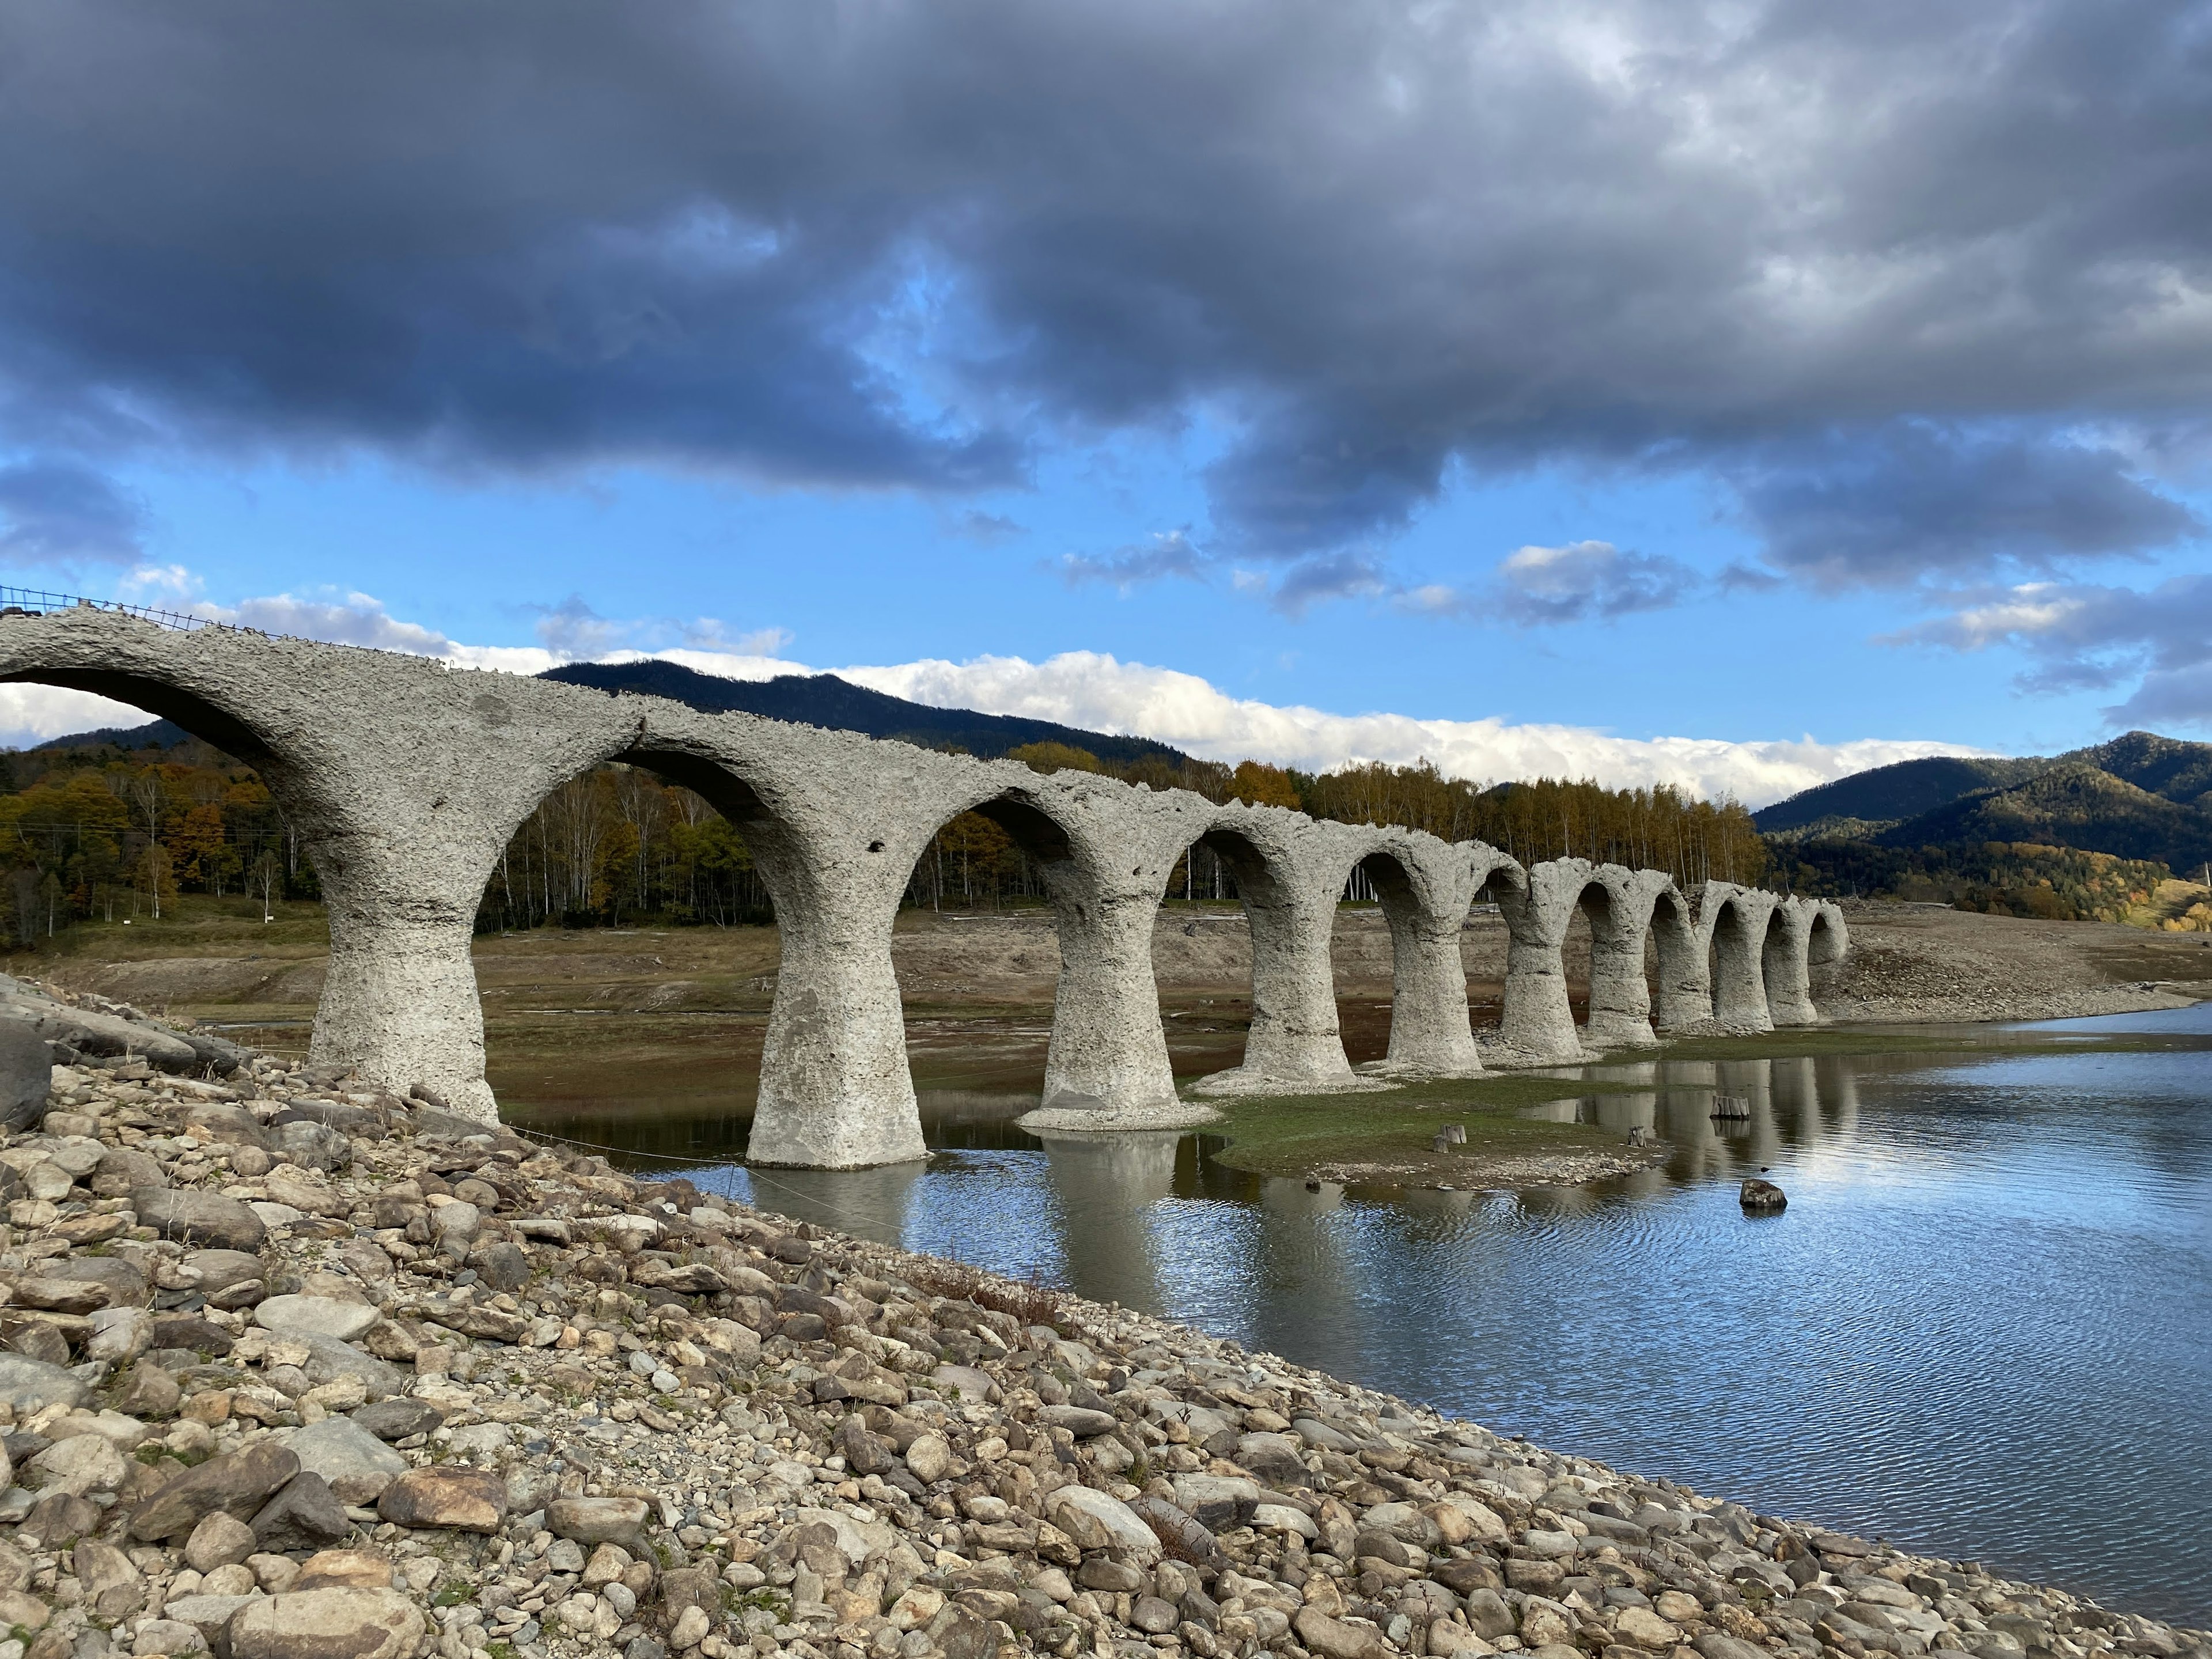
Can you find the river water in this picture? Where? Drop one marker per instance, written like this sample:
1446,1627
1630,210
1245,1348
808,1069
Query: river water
1982,1328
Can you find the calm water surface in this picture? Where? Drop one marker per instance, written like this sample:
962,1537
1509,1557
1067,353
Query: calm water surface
1982,1328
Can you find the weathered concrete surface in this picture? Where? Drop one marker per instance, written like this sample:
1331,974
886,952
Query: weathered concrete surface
1426,887
1290,870
1685,987
1733,921
1619,999
1785,964
1538,1026
406,780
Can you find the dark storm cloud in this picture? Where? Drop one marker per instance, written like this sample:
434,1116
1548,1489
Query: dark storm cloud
877,244
1888,508
59,513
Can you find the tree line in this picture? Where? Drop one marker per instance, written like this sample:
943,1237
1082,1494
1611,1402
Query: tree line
99,832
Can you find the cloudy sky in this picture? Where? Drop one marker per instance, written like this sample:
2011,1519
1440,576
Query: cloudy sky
1739,392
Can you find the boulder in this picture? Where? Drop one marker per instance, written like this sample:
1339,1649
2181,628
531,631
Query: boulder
304,1515
357,1465
928,1458
328,1359
311,1145
1762,1196
90,1033
397,1418
598,1520
466,1500
113,1587
326,1623
27,1384
191,1217
125,1285
27,1069
237,1483
1098,1521
316,1316
344,1570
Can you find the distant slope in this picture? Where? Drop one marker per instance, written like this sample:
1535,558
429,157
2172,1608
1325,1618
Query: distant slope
154,734
824,700
1904,790
2179,771
2071,804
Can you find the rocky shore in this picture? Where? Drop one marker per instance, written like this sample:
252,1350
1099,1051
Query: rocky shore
295,1370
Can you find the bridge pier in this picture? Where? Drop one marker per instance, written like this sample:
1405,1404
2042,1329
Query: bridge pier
1426,889
1538,1022
1619,996
1734,920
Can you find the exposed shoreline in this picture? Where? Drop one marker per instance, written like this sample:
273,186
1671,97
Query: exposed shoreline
621,1416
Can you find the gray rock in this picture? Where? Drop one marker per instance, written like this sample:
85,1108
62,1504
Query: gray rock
357,1465
597,1520
395,1419
219,1539
502,1266
219,1269
238,1484
328,1359
128,1167
27,1384
119,1335
89,1033
191,1217
466,1500
311,1145
304,1515
326,1623
210,1615
27,1062
1083,1423
316,1315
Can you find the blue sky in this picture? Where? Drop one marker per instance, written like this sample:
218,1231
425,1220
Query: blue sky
1737,395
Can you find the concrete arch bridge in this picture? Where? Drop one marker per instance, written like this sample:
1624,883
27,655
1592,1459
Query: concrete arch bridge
405,779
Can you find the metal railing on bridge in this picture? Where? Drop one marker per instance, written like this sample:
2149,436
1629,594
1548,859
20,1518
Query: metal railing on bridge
37,602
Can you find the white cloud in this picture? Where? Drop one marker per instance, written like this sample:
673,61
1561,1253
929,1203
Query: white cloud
31,713
1089,690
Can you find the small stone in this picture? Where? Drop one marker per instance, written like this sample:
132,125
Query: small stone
1762,1195
689,1629
1079,1420
219,1540
326,1623
168,1637
344,1570
466,1500
928,1458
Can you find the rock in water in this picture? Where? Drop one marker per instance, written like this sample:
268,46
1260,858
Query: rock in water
1763,1196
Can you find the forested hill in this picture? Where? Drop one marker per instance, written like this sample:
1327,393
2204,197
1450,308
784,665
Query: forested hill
2099,831
1888,793
826,700
154,734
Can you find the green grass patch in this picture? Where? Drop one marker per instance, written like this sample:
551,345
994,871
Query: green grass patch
1296,1135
